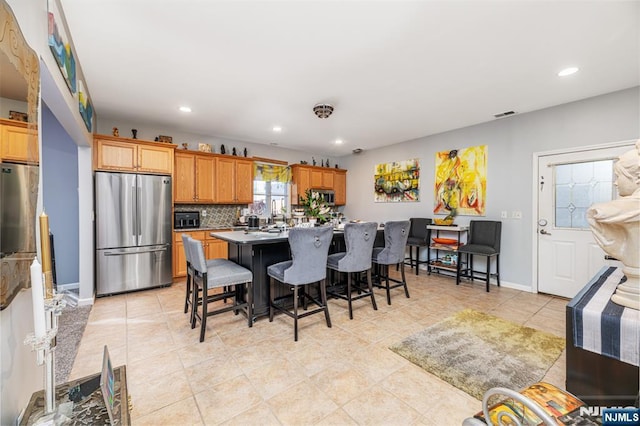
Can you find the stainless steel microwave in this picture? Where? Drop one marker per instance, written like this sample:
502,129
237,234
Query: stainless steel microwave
328,195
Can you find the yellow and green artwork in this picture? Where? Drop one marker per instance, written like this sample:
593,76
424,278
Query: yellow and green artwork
398,181
461,181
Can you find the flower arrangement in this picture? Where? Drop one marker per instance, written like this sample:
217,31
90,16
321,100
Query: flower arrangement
315,206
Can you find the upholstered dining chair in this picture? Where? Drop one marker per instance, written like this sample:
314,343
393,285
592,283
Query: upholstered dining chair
189,284
308,265
419,236
359,239
232,278
484,240
396,234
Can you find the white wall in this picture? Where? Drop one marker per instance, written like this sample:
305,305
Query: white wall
511,143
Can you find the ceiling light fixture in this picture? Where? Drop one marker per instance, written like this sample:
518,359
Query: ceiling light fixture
185,109
277,128
323,110
568,71
338,141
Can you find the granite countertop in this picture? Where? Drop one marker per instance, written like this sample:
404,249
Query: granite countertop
214,227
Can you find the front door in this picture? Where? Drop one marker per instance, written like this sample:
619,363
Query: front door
568,183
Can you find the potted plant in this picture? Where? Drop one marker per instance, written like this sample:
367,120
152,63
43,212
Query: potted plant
315,207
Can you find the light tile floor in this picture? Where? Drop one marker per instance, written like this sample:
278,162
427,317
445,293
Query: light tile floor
332,376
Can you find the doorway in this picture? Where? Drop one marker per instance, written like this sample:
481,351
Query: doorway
567,183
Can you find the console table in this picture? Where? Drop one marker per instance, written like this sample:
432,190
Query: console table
603,340
91,410
439,264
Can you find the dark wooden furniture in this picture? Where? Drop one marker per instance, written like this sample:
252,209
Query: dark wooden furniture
91,410
596,379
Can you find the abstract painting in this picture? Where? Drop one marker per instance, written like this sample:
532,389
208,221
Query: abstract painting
461,181
397,182
60,46
86,109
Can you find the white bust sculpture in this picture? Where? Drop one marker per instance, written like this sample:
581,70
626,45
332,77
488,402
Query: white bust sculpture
616,226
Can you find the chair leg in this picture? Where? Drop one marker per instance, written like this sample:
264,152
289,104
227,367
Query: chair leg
404,281
323,296
272,293
411,257
373,297
498,269
488,271
188,293
470,258
249,300
195,292
349,274
203,321
386,268
295,313
458,268
417,260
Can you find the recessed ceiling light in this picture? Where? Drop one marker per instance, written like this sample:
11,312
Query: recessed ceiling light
338,142
568,71
185,109
277,128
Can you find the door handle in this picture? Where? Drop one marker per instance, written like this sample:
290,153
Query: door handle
125,253
543,232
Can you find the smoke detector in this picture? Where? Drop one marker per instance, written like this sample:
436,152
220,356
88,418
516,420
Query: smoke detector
357,151
323,110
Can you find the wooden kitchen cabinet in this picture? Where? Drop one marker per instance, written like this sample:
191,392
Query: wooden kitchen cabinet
213,249
17,142
314,177
234,180
340,187
132,155
193,181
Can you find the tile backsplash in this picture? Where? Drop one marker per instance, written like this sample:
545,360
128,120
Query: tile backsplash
214,215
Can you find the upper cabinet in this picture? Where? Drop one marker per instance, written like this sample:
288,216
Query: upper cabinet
131,155
16,142
314,177
194,178
234,180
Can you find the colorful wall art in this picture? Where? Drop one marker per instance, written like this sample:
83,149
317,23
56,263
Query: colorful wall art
397,182
461,181
60,45
86,109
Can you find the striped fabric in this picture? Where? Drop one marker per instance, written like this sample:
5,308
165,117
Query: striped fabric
604,327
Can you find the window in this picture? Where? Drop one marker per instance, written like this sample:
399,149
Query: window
270,190
577,186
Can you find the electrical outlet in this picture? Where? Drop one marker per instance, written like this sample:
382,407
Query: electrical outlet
504,214
204,213
517,214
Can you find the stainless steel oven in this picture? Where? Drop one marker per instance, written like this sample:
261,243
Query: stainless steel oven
186,220
328,195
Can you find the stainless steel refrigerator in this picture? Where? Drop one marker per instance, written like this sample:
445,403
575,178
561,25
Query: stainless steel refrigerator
18,197
133,232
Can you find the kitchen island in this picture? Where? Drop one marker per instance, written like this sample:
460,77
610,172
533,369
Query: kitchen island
256,250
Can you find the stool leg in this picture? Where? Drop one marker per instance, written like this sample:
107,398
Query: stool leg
386,268
249,300
404,281
295,313
349,294
373,297
323,295
488,271
188,292
272,293
203,321
417,260
459,268
498,269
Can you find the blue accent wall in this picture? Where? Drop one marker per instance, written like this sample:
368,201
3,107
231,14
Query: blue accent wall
59,160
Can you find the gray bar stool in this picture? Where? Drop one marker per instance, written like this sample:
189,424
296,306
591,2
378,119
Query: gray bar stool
484,240
395,241
226,275
309,251
359,239
419,236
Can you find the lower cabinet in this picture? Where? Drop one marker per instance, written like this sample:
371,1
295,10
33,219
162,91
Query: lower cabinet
213,249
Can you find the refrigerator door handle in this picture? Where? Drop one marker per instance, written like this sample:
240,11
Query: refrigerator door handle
124,253
138,215
134,215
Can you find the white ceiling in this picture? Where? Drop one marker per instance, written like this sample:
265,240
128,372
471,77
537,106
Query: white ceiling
394,70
